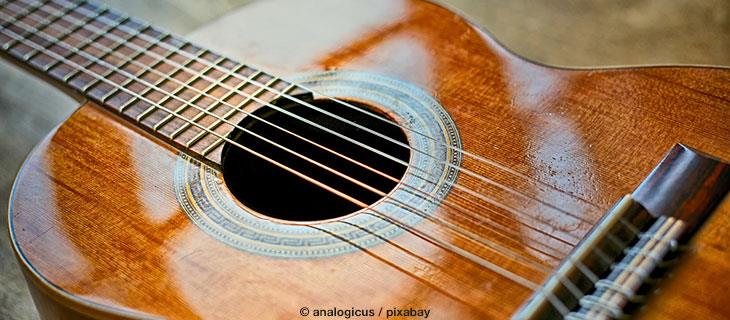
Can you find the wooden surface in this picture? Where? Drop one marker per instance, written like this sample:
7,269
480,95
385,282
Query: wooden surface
593,134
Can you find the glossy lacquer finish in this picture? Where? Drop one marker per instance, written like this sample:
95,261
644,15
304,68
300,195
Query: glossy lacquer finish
97,224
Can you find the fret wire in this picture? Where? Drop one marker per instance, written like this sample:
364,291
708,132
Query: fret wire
193,100
63,36
183,85
233,110
127,59
243,103
130,59
144,91
151,68
109,51
145,113
54,40
211,147
144,69
44,23
223,98
161,123
86,42
15,19
105,54
179,109
149,88
124,61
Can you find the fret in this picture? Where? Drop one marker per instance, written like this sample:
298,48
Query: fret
44,23
231,124
130,92
131,59
162,79
173,93
211,147
145,113
144,69
14,20
57,40
289,88
73,50
108,51
204,91
88,41
168,95
143,93
127,60
149,76
237,109
34,30
185,84
218,102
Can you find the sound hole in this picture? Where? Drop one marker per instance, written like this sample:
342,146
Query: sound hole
275,192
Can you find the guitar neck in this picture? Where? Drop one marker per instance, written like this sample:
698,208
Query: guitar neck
182,93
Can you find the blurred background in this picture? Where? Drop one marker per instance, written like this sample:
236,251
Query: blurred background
555,32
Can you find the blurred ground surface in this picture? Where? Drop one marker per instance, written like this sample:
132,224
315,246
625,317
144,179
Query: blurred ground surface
557,32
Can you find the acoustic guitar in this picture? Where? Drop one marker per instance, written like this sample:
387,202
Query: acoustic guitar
364,160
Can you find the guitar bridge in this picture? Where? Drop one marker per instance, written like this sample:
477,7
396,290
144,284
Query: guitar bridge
610,273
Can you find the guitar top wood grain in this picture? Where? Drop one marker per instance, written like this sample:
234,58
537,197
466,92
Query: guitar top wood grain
99,229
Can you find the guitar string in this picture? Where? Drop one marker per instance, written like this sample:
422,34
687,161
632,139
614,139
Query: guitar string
283,93
396,265
444,245
473,237
439,243
375,150
313,107
501,233
463,210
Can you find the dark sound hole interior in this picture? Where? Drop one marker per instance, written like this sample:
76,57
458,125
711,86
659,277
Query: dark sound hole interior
275,192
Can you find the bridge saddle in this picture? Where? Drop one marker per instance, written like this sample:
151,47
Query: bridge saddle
611,272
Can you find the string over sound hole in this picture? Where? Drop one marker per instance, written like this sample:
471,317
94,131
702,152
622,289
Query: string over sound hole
271,190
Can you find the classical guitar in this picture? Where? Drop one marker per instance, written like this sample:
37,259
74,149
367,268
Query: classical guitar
363,159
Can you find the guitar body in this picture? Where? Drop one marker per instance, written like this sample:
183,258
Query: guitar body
100,233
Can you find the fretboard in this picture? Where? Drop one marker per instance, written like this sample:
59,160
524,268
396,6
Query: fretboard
186,95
